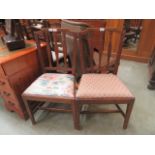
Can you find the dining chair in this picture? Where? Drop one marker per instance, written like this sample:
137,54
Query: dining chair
79,27
27,30
99,86
30,26
2,31
57,83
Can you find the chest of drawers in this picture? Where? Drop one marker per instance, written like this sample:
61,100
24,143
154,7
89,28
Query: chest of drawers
17,71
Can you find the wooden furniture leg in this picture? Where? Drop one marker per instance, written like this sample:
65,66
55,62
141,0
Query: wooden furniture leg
151,84
29,111
127,115
76,115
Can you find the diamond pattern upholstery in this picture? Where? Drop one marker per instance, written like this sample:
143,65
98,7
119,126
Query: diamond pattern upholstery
94,86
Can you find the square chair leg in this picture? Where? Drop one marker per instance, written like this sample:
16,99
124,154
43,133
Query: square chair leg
29,111
76,115
127,115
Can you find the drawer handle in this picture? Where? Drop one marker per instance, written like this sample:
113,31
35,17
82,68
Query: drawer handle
6,94
11,103
2,83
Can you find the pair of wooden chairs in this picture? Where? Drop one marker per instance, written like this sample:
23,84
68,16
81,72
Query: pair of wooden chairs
58,83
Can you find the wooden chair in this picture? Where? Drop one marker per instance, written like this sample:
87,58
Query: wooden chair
27,30
2,31
54,23
107,57
57,84
30,26
78,27
97,85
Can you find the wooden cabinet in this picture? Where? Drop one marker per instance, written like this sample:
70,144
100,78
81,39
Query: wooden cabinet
17,71
146,42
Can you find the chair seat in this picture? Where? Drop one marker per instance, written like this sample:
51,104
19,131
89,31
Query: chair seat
102,86
52,84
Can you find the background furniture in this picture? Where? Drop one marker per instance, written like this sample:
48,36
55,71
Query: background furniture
2,28
146,40
14,38
152,70
89,22
29,26
132,28
93,23
27,29
17,70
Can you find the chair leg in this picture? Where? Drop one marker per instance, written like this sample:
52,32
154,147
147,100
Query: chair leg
29,111
127,115
76,115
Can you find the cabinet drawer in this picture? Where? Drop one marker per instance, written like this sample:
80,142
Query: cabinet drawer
32,59
11,101
11,105
1,72
14,66
6,90
8,94
4,85
21,63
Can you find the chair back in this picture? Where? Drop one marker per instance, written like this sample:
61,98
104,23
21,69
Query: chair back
58,37
78,27
73,26
100,62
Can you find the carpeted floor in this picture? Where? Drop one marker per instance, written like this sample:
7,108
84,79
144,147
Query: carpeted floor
134,75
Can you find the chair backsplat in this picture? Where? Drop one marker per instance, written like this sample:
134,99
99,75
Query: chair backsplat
61,44
104,53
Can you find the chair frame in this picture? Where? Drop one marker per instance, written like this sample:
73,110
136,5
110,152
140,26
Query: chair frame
2,32
105,45
105,69
50,67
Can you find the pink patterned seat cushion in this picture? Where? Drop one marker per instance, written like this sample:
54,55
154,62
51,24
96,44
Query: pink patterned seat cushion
106,86
52,84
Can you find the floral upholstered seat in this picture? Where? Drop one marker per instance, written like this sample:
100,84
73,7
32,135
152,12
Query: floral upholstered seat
52,84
